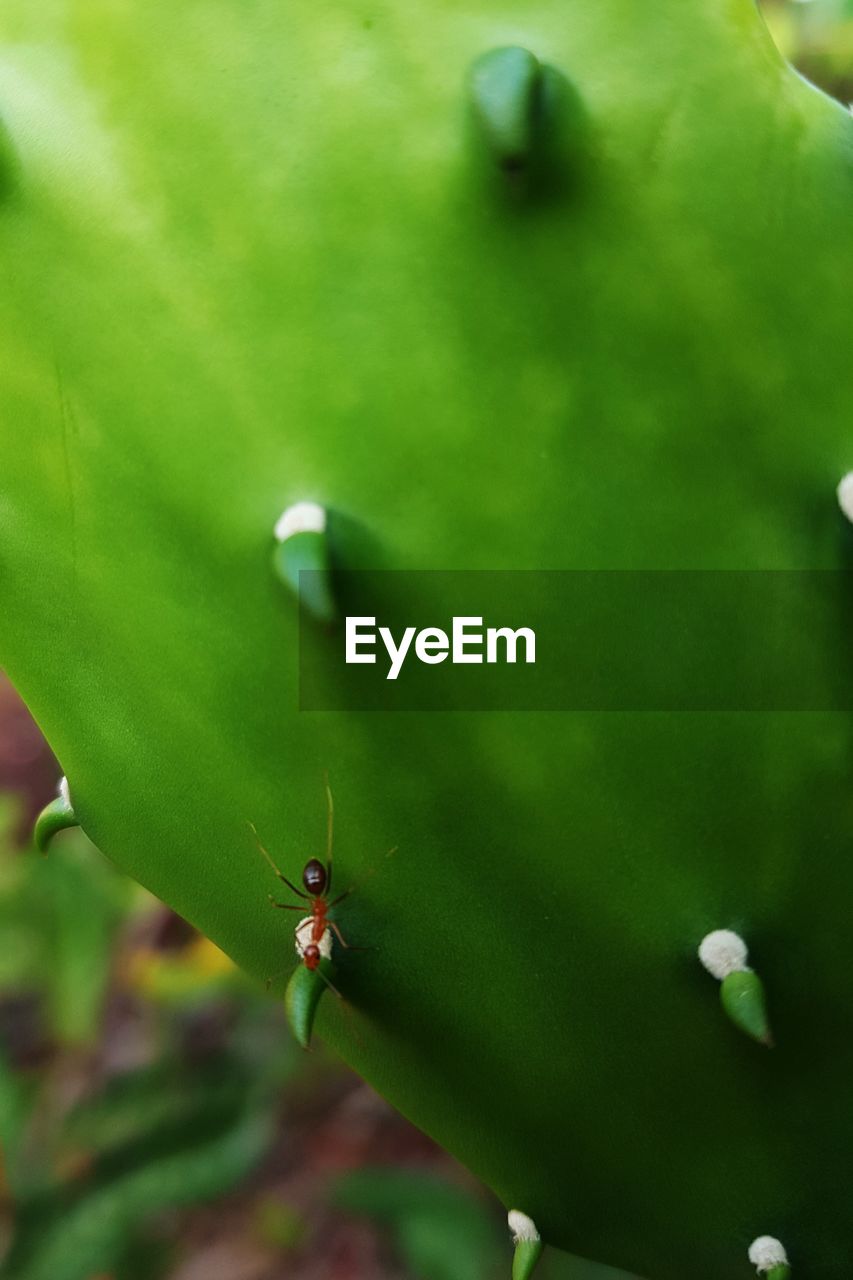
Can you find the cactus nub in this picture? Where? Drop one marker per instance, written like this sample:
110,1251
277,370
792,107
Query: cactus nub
302,997
57,816
528,1244
724,954
505,85
845,495
743,998
302,544
7,164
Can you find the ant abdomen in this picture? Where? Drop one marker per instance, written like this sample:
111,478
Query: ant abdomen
314,877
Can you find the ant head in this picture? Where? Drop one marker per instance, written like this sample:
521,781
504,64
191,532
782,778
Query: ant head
314,877
311,956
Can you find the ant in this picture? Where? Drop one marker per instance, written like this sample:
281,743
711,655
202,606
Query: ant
317,879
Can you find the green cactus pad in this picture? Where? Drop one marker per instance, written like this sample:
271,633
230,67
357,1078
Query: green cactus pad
254,254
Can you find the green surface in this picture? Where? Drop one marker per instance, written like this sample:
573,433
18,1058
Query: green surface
257,252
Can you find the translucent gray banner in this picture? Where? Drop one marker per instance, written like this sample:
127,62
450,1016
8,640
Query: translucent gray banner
671,641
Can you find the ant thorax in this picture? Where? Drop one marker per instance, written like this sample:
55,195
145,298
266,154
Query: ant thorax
304,937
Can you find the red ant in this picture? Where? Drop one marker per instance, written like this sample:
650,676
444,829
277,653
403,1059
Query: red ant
317,879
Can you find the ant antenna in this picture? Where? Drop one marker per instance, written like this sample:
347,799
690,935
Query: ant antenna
331,986
281,877
254,832
330,821
330,830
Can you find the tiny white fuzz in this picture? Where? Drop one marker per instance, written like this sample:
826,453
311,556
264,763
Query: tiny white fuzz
845,495
63,793
723,952
303,938
302,517
522,1227
766,1252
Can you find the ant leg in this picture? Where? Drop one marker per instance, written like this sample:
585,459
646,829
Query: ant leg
342,940
353,887
293,888
284,878
330,831
331,986
275,977
286,906
346,1007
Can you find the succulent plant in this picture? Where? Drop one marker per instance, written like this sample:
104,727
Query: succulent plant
496,285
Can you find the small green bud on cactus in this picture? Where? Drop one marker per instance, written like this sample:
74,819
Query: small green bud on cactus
57,816
845,495
743,998
724,954
505,87
302,543
302,996
8,164
528,1244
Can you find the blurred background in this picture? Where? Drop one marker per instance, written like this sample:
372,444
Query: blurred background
156,1118
817,37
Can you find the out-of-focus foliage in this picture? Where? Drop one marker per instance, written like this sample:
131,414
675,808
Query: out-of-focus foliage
817,37
58,920
442,1232
92,1150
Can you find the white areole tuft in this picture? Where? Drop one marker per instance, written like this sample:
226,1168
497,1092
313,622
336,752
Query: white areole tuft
522,1227
302,517
845,495
766,1252
303,939
723,952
